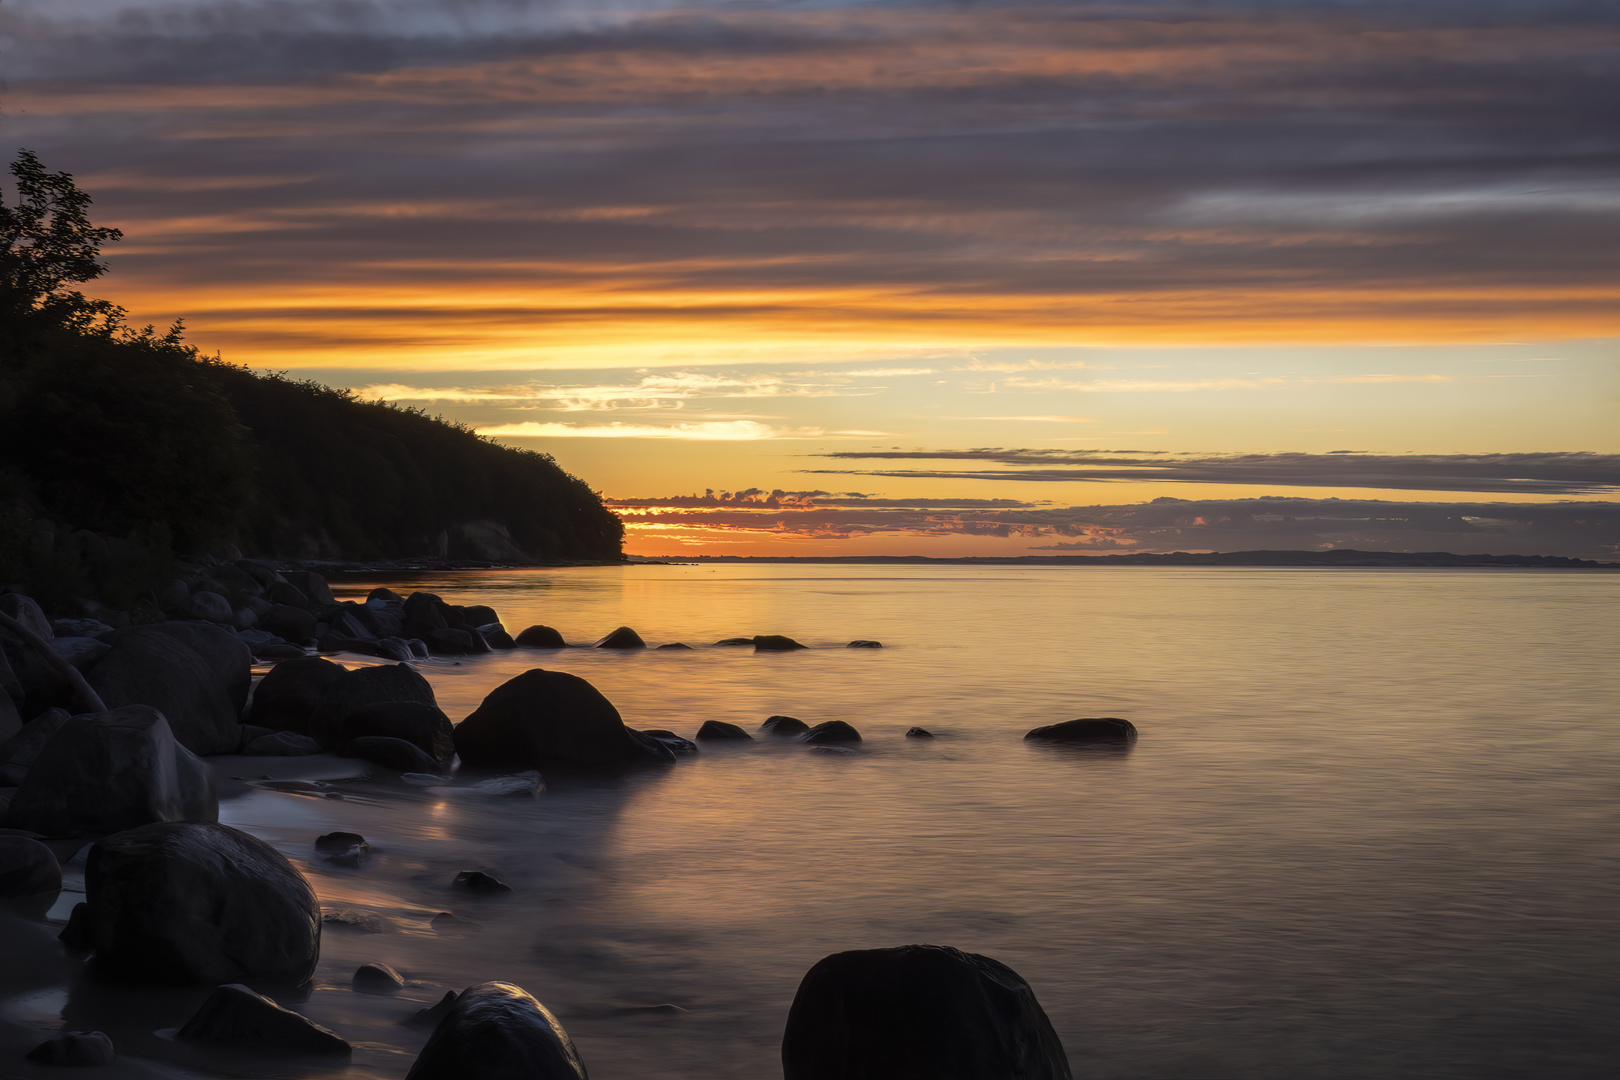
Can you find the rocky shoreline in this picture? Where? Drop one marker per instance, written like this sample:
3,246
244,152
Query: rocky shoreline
103,733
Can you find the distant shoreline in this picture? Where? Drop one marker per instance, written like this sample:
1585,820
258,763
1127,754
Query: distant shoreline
1337,558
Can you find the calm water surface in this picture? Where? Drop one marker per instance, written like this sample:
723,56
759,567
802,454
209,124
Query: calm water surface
1370,828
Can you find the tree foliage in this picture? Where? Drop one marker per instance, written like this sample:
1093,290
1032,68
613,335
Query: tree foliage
47,245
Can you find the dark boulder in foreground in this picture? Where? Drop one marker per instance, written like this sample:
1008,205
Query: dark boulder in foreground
236,1015
720,730
362,687
105,772
541,637
918,1012
1087,731
832,731
776,643
197,675
622,638
496,1031
194,902
287,697
549,719
80,1048
396,754
784,726
423,725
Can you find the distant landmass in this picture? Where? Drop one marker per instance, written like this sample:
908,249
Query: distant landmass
1337,557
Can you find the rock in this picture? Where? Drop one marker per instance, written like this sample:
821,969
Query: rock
288,696
28,869
28,612
106,772
919,733
282,744
312,585
516,785
837,751
81,627
387,596
496,1031
235,1014
81,652
918,1012
361,687
720,730
430,1017
784,726
864,644
211,607
423,725
734,642
677,745
366,922
833,731
676,645
18,753
199,903
76,934
1087,731
622,638
396,754
479,615
340,843
446,923
496,636
294,624
776,643
476,881
377,979
541,637
449,642
199,692
550,719
81,1048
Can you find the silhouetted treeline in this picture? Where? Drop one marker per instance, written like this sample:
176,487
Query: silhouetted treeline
119,450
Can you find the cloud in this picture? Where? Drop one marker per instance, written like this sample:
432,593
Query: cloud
1576,473
1392,377
1579,529
649,392
704,430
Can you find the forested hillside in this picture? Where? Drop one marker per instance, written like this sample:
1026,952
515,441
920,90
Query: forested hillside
121,449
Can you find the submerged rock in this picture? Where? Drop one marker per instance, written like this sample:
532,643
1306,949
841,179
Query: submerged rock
377,979
832,731
734,642
541,637
784,726
863,643
550,719
235,1014
496,1031
622,638
776,643
918,1012
919,733
194,902
1087,731
677,745
719,730
476,881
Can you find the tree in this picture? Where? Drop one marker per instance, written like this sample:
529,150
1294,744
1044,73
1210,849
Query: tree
48,244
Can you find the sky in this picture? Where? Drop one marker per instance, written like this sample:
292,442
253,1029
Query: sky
901,277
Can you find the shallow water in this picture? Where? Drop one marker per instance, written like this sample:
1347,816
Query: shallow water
1370,827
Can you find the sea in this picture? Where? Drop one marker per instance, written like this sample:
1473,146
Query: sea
1370,828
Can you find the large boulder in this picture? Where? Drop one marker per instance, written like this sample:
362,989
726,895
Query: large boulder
361,687
496,1031
289,623
105,772
28,612
918,1012
287,697
18,753
550,719
784,726
423,725
235,1015
27,869
194,902
1087,731
832,731
310,584
196,675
